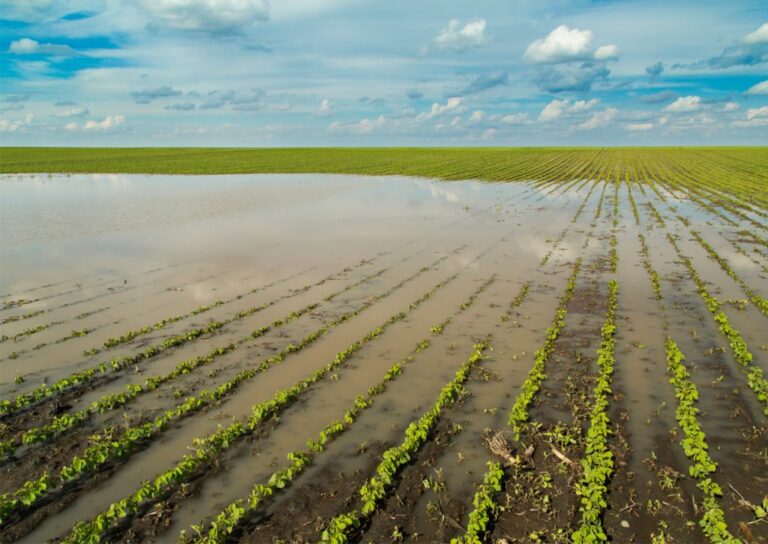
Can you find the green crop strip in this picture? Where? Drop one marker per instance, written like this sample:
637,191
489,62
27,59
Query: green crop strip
209,447
652,274
703,169
739,347
756,299
233,514
110,450
485,508
15,318
113,401
162,323
341,527
118,364
28,332
518,416
597,464
695,447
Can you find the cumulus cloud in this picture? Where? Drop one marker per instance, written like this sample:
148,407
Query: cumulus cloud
455,104
325,109
514,119
364,126
216,17
598,119
566,44
607,52
758,36
79,111
749,51
563,44
486,81
16,125
759,88
462,38
568,61
27,46
109,123
558,108
755,117
753,113
478,116
146,96
637,127
684,104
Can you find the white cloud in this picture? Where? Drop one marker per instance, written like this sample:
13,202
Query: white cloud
754,113
471,36
553,110
598,119
17,125
478,116
638,126
562,44
27,46
326,108
365,126
211,16
489,134
758,36
731,106
455,104
759,88
607,52
557,108
684,104
79,111
566,44
584,105
109,123
515,119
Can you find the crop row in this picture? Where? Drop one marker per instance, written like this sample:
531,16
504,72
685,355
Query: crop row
113,401
341,528
117,364
109,450
518,415
484,506
756,299
208,448
652,274
233,514
21,317
597,464
694,445
130,335
741,353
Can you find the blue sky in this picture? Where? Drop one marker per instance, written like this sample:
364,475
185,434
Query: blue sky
351,72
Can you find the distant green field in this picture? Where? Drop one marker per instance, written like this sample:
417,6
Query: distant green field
737,170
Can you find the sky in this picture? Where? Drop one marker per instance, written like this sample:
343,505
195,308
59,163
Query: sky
255,73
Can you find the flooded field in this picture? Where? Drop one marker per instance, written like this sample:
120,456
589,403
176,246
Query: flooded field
303,358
